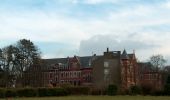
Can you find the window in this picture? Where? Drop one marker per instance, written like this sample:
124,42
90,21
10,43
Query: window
61,74
51,75
106,71
89,63
106,64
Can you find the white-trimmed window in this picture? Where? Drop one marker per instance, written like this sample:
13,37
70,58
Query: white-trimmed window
106,64
106,71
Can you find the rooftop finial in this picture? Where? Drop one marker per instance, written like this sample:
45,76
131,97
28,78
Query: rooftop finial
133,51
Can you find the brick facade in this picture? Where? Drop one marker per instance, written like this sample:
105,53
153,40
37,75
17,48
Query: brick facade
70,71
150,77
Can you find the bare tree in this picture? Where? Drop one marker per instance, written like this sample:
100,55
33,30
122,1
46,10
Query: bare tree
7,62
1,59
16,59
157,61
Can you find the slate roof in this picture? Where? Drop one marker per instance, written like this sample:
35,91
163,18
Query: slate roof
84,61
48,62
56,60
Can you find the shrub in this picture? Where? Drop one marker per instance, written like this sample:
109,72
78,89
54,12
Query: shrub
56,92
78,90
27,92
10,93
146,89
95,92
31,92
134,90
112,90
124,92
158,93
2,93
51,92
167,89
60,92
42,92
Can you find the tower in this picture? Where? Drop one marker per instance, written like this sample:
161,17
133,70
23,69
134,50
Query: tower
124,70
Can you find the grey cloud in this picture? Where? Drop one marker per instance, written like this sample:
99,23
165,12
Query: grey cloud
97,44
131,35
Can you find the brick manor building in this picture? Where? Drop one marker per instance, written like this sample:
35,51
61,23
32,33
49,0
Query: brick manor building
113,67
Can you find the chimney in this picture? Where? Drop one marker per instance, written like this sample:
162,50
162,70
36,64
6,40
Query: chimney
107,49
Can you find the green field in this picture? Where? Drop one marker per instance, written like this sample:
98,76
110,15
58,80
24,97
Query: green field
96,98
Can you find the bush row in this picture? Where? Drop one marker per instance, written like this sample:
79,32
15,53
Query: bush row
44,92
69,90
146,90
31,92
77,90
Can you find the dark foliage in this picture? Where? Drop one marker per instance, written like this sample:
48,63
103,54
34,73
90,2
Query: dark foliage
158,93
2,93
168,80
134,90
10,93
96,92
27,92
78,90
43,92
167,89
146,90
112,90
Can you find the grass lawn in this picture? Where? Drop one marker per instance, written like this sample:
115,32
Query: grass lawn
96,98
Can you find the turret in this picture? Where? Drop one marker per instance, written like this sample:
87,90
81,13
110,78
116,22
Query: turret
124,55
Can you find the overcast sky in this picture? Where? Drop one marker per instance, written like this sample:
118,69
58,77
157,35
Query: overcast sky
62,28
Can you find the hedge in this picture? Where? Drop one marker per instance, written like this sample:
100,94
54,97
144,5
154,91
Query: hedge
64,91
10,93
112,90
158,93
167,89
77,90
134,90
146,90
26,92
32,92
42,92
95,91
2,93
